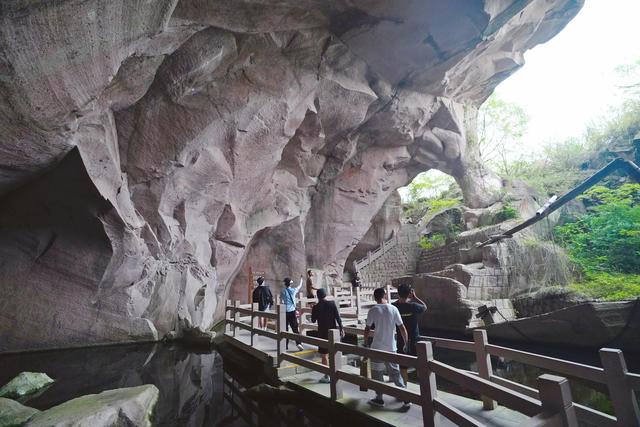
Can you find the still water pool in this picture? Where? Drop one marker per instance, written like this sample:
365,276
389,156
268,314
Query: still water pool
199,388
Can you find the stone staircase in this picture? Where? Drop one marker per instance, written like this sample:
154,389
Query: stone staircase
396,257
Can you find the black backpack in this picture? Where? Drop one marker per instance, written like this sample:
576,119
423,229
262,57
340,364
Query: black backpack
262,295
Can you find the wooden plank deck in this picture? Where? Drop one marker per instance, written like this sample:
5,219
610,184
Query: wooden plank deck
265,349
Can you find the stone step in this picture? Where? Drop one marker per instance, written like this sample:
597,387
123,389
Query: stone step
288,369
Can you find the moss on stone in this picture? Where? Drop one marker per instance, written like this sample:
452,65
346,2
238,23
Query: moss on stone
25,383
14,414
125,406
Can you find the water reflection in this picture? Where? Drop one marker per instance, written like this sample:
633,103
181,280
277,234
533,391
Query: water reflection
190,382
198,389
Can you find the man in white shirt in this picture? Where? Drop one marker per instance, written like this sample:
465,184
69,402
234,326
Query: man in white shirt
385,318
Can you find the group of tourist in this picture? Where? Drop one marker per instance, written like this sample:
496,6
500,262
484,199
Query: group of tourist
384,319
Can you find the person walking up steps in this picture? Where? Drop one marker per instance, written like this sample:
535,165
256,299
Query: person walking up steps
386,318
327,315
288,297
310,288
263,296
410,308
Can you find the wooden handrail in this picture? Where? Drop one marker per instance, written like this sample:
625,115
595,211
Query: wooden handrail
397,392
455,415
634,380
449,343
572,369
385,356
505,396
527,400
318,342
309,364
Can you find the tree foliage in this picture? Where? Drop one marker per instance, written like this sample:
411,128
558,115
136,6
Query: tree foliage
605,243
501,124
607,239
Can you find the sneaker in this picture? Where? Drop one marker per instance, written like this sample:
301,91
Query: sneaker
300,347
325,380
376,402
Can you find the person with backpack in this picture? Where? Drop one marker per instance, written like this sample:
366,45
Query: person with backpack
410,308
328,317
288,298
263,296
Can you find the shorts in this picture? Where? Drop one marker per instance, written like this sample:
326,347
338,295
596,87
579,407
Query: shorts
324,335
411,351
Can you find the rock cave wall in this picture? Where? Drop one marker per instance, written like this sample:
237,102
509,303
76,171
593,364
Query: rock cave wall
151,150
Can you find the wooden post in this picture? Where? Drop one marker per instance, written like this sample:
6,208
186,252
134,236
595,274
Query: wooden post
555,395
281,326
365,371
303,316
254,322
622,395
427,379
228,315
335,364
249,285
483,359
236,317
358,304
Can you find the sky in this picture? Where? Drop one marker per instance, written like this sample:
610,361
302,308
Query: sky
569,81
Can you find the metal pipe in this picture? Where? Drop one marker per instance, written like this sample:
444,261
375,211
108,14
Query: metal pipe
631,168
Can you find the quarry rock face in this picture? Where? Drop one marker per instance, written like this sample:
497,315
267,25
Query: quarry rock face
152,151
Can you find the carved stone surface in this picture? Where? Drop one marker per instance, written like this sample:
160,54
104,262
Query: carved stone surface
147,146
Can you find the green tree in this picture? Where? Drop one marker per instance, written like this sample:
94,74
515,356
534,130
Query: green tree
501,124
432,184
607,239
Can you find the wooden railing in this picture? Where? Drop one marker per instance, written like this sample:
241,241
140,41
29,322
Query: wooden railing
548,404
620,383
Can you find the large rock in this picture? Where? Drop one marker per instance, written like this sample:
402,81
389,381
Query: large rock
596,325
14,414
24,384
150,152
126,406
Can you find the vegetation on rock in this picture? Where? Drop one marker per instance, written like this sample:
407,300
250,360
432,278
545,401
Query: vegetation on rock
605,242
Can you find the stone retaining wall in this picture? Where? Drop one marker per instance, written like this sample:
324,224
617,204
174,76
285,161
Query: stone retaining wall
398,261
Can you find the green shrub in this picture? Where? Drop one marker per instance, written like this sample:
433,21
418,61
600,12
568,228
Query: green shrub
507,212
609,286
607,239
434,241
605,243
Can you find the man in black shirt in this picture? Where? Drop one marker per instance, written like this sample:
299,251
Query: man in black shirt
327,315
263,296
410,308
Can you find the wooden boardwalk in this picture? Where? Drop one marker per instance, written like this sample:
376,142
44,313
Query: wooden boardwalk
355,399
504,402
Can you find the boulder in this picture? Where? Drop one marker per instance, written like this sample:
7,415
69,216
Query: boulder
14,414
121,407
593,324
24,384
